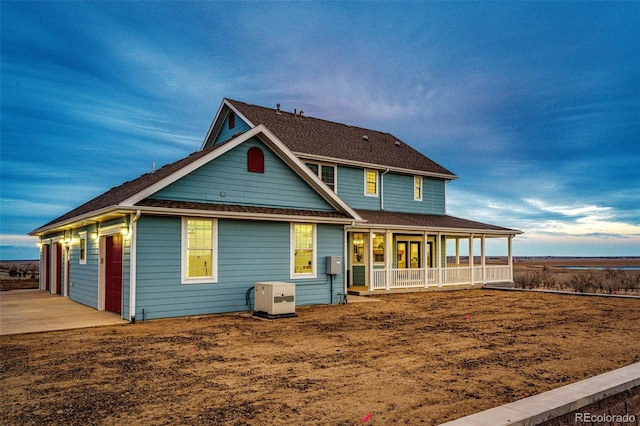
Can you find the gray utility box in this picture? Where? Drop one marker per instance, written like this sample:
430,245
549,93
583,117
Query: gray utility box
275,300
334,265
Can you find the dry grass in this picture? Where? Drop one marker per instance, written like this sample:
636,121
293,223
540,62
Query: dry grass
414,358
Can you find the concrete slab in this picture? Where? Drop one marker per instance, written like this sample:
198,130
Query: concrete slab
33,311
556,402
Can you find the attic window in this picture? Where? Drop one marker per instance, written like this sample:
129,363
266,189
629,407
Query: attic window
232,120
255,160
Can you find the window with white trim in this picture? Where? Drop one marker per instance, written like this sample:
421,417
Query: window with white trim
83,248
417,188
371,183
303,250
326,173
199,246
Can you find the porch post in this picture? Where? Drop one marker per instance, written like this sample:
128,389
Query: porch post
439,254
425,244
510,258
484,263
457,252
471,262
388,251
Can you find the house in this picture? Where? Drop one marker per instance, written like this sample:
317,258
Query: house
269,195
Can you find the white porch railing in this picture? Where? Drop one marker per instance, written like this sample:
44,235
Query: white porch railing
386,279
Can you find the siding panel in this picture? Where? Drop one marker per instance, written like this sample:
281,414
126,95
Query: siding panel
249,252
226,180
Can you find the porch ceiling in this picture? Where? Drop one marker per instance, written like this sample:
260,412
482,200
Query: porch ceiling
429,222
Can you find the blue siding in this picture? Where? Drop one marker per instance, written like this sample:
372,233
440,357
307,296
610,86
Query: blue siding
226,133
83,279
351,189
249,252
399,192
226,180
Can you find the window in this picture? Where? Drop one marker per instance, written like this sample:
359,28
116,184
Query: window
303,244
232,120
326,173
199,243
417,188
255,160
371,183
378,248
83,248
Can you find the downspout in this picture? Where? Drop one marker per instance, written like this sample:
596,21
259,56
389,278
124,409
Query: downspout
133,267
382,188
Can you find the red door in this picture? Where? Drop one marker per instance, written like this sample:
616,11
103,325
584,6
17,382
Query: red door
46,260
113,274
59,268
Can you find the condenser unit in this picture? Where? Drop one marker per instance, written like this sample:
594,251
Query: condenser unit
275,300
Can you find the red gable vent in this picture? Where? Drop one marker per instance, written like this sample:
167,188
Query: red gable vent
255,160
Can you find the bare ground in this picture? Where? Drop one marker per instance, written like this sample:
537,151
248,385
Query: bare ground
413,358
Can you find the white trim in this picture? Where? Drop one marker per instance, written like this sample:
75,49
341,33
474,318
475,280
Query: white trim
225,102
314,250
417,179
82,235
367,194
213,277
360,164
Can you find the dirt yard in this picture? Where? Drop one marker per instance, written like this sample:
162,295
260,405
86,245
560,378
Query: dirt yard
415,359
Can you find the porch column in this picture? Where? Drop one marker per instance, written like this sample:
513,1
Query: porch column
471,262
510,258
388,257
484,264
424,260
457,252
439,254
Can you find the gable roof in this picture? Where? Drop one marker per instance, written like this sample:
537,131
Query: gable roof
314,138
131,195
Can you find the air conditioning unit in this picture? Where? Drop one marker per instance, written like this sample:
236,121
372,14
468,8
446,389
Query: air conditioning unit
275,300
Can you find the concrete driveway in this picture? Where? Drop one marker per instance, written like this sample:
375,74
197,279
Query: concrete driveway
32,311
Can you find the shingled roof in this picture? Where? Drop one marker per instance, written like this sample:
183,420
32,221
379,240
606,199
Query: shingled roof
118,194
430,221
321,138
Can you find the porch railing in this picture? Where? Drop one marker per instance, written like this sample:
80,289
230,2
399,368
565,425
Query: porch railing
427,277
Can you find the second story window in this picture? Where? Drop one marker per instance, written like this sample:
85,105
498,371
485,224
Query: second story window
326,173
371,183
417,188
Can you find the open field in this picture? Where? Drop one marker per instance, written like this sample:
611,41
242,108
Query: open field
596,275
18,274
411,358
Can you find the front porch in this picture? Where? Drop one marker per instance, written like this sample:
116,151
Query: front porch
397,280
393,261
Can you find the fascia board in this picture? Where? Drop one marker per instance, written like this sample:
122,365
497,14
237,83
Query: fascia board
168,211
87,217
218,116
131,201
303,171
359,164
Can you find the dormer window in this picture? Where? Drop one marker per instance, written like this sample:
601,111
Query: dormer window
255,160
232,120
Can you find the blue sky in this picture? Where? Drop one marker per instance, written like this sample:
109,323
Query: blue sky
535,105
